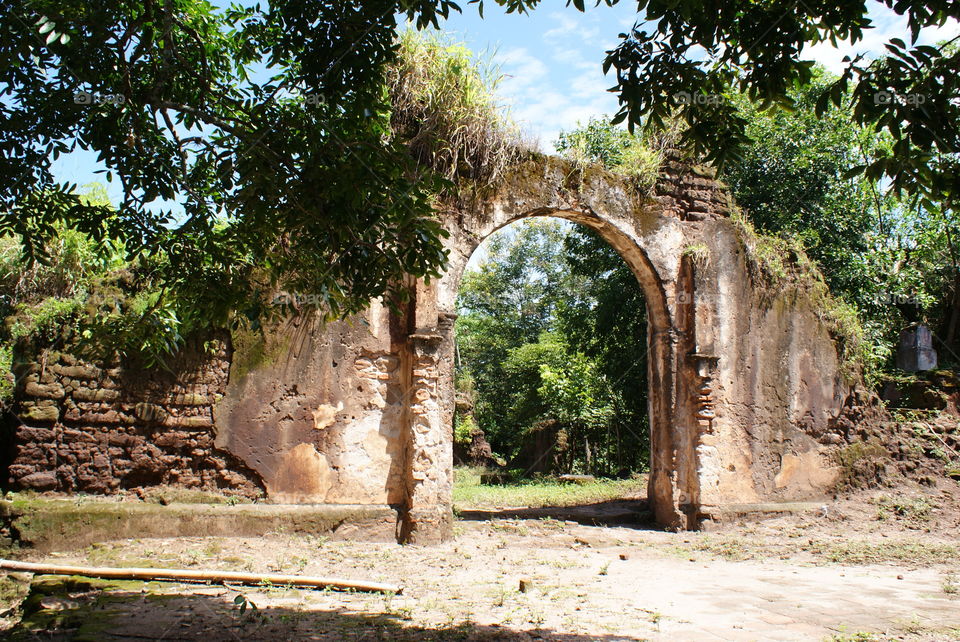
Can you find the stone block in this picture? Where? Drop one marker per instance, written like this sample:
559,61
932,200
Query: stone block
44,390
915,352
123,440
24,370
72,436
43,480
169,439
95,394
17,471
193,423
151,413
193,399
78,371
40,413
28,433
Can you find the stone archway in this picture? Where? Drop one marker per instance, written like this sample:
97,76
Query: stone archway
721,432
660,322
746,387
645,239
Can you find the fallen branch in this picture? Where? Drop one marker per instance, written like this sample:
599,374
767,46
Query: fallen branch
180,575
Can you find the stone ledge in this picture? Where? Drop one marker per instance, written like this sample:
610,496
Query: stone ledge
64,524
726,511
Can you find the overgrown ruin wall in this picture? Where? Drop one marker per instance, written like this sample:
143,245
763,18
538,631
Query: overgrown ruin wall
99,429
744,389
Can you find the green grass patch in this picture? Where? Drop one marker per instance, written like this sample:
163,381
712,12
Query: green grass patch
469,492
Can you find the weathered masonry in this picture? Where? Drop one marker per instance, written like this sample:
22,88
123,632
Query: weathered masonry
745,385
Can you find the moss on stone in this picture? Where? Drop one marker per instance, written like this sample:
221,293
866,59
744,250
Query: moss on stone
779,268
49,524
254,349
165,495
861,463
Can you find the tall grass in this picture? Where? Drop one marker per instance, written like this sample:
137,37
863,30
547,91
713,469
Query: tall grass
445,109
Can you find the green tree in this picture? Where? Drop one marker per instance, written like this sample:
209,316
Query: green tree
891,257
609,325
547,341
252,144
887,255
506,303
793,180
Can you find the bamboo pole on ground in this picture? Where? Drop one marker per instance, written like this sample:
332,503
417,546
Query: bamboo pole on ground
183,575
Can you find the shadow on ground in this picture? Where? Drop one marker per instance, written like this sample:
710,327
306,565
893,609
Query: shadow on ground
620,512
76,609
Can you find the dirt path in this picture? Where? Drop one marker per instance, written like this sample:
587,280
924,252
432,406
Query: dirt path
781,580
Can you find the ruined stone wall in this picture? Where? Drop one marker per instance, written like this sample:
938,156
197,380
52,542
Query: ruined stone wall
318,410
745,384
773,380
95,429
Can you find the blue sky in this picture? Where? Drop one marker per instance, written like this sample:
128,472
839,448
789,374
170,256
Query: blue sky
551,62
552,58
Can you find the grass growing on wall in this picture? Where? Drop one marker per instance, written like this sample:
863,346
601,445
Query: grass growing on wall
446,110
6,376
598,142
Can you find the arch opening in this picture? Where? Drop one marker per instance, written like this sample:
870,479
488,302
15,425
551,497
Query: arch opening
553,350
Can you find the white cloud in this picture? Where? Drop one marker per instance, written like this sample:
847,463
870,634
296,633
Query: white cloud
572,26
546,100
557,81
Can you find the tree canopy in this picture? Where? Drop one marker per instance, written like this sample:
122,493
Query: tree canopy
252,144
256,146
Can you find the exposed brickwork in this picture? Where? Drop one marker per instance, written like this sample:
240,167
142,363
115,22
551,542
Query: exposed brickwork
691,193
99,430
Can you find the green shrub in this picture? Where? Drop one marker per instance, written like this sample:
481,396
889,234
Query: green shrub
6,377
463,430
87,295
616,149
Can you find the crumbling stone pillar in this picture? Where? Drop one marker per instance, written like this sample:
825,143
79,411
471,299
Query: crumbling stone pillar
664,489
428,514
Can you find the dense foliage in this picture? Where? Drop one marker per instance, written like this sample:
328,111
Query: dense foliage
890,260
547,352
88,298
112,295
890,257
252,144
